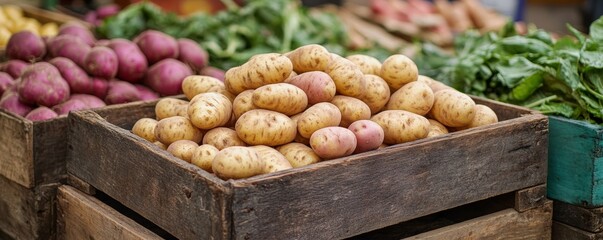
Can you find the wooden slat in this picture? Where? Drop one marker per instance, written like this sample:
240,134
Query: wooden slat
588,219
16,158
396,183
563,231
507,224
27,213
530,198
80,185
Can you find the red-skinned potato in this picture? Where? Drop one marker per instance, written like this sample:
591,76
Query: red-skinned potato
369,135
333,142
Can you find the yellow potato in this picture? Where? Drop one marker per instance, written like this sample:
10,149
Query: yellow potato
452,108
398,70
377,93
49,29
298,137
401,126
436,128
237,162
203,156
169,107
433,84
260,70
312,57
145,128
285,98
333,142
352,109
222,137
298,154
183,149
160,145
416,97
243,103
367,64
273,160
484,115
196,84
348,78
29,24
13,12
318,116
265,127
233,82
171,129
209,110
5,35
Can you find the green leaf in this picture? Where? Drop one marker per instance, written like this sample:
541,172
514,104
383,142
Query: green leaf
596,29
517,68
520,44
568,73
527,87
557,108
592,59
579,35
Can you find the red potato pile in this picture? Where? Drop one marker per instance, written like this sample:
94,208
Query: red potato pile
280,111
46,78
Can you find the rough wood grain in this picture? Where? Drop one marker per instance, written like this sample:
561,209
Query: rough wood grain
27,213
16,158
84,217
177,196
396,183
529,198
80,185
563,231
507,224
588,219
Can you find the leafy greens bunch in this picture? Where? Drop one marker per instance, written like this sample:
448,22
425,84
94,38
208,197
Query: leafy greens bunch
555,76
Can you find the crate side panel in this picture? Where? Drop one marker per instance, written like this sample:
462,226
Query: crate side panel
393,184
589,219
563,231
16,150
50,150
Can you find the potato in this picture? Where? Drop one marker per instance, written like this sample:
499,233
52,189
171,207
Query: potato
348,78
299,154
452,108
377,93
280,97
237,162
367,64
232,81
318,86
273,160
203,156
352,109
414,97
209,110
260,70
433,84
401,126
298,137
265,127
398,70
484,115
222,137
196,84
333,142
369,135
436,128
183,149
312,57
171,129
169,107
160,145
145,128
318,116
243,103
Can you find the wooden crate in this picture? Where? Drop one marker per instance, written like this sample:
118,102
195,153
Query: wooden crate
525,214
331,199
32,166
83,216
575,162
577,222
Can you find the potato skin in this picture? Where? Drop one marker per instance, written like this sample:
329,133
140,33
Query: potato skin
416,97
311,57
285,98
176,128
318,116
298,137
299,154
260,70
377,93
222,137
352,109
435,85
145,128
436,128
318,86
369,135
367,64
333,142
160,145
401,126
196,84
348,78
183,149
203,156
169,107
484,115
243,103
237,162
398,70
452,108
209,110
265,127
274,161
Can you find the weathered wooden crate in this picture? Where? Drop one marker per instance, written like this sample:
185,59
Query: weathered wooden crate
84,216
331,199
577,222
575,162
524,214
32,166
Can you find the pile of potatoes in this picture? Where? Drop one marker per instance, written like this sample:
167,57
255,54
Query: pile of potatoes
280,111
13,20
